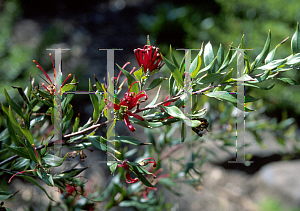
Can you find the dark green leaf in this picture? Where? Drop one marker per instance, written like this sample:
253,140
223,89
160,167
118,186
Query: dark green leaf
295,42
288,81
175,71
230,55
6,195
47,178
20,90
220,56
33,181
209,78
262,56
95,103
99,142
173,58
53,161
155,83
21,151
113,167
129,140
14,105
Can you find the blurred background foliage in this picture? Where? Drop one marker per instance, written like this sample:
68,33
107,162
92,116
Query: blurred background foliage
189,23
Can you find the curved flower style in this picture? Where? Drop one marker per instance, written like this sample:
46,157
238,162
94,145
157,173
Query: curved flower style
51,87
150,61
127,103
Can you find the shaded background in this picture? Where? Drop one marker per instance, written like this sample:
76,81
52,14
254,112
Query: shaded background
29,27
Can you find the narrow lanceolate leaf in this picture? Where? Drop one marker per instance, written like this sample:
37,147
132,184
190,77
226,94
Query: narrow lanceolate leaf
230,55
130,140
177,113
27,134
22,94
207,68
208,54
295,43
31,151
223,95
99,142
17,108
21,151
195,66
95,103
175,71
173,58
6,195
152,102
220,55
33,181
113,167
272,65
47,178
271,55
288,81
293,60
53,161
155,83
245,77
209,78
262,56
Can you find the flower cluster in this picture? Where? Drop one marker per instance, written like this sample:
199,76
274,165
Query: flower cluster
51,87
149,58
127,103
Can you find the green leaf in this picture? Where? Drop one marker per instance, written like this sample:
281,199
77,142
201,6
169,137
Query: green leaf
293,60
113,167
245,77
53,161
271,55
152,102
129,140
195,66
295,42
67,87
21,151
288,81
261,78
14,105
36,120
99,142
155,83
22,94
175,71
183,132
69,173
138,74
220,56
31,151
208,54
6,195
230,55
177,113
95,103
227,96
262,56
27,134
130,80
207,68
272,65
47,178
263,88
76,124
173,58
209,78
33,181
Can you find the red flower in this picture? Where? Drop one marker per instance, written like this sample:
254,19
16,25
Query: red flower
148,59
51,87
128,177
126,167
147,189
129,101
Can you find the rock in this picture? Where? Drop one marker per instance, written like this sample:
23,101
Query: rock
282,181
